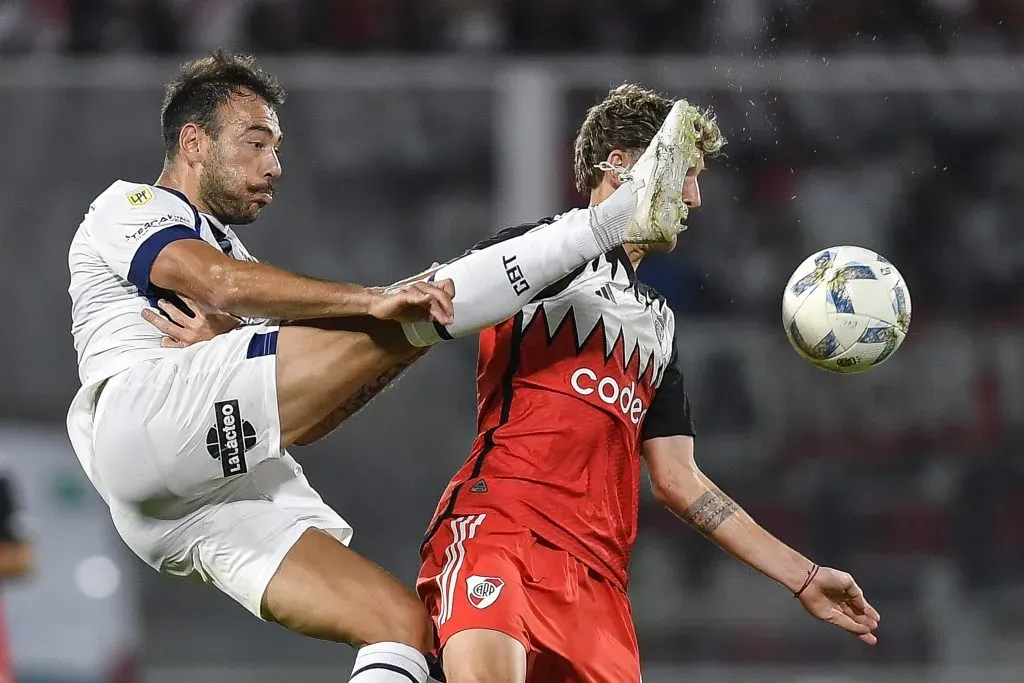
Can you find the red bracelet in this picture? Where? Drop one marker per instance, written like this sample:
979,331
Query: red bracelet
811,573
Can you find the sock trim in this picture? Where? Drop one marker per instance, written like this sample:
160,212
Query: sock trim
442,332
387,667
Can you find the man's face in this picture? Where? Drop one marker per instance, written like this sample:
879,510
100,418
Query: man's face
241,164
691,197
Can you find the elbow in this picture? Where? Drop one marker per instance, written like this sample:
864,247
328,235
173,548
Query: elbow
678,490
662,493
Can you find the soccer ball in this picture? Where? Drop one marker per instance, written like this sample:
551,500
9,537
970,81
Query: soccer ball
846,309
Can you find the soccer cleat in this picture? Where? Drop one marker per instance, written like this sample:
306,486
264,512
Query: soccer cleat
657,178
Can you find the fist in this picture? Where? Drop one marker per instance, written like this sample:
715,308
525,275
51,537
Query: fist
415,302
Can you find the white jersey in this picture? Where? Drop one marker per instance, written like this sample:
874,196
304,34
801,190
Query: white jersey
110,260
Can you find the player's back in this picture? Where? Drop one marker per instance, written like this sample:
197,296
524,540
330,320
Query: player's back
564,390
110,258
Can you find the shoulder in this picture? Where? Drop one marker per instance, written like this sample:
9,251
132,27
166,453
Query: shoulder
655,298
144,206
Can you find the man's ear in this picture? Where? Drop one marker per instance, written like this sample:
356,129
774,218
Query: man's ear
619,159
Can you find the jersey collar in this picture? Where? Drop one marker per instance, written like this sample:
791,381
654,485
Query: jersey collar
618,257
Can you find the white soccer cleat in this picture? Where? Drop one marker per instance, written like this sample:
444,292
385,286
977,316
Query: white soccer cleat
657,178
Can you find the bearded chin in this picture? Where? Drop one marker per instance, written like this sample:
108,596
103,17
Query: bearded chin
226,207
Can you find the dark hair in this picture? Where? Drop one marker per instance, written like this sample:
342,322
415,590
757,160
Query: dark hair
627,119
202,85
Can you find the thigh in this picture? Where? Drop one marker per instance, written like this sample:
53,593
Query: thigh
236,537
322,589
180,426
598,643
548,667
484,656
471,578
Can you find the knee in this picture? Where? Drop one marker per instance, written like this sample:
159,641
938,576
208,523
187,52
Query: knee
402,621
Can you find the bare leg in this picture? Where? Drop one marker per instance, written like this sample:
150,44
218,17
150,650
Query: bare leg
323,365
327,370
324,590
484,656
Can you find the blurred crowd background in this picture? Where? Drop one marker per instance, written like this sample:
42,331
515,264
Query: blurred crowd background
909,476
512,26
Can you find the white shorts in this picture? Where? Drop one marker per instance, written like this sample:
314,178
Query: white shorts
235,537
186,449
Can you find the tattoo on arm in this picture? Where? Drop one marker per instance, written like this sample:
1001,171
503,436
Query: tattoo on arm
709,511
363,395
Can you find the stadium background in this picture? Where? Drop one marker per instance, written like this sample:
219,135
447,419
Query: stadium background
416,127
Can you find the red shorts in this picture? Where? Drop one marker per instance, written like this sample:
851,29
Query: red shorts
483,571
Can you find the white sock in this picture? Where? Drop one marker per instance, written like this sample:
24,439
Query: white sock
493,284
389,663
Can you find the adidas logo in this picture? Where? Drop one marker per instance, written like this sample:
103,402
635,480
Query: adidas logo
606,293
479,487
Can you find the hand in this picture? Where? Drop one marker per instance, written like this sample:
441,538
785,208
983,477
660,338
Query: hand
834,596
415,302
182,330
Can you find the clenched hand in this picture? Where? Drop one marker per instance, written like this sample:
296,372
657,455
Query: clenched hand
416,302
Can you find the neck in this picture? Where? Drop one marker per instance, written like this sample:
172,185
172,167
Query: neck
635,252
185,182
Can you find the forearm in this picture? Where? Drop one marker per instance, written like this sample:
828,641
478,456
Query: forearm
712,513
264,291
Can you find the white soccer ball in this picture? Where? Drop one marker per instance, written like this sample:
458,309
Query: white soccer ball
846,309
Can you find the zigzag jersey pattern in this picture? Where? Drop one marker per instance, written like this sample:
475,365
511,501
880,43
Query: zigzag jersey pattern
567,390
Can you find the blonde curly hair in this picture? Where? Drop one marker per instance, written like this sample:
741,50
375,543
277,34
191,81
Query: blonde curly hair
627,119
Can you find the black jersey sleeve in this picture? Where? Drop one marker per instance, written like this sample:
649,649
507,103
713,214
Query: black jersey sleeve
669,414
507,234
10,513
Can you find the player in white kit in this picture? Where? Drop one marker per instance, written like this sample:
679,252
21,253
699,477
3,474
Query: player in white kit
187,445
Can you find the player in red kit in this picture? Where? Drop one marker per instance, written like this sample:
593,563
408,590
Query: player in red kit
524,566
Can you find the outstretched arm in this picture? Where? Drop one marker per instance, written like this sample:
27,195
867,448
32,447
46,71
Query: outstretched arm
830,595
200,272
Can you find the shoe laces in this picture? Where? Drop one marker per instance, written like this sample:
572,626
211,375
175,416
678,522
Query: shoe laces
623,172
